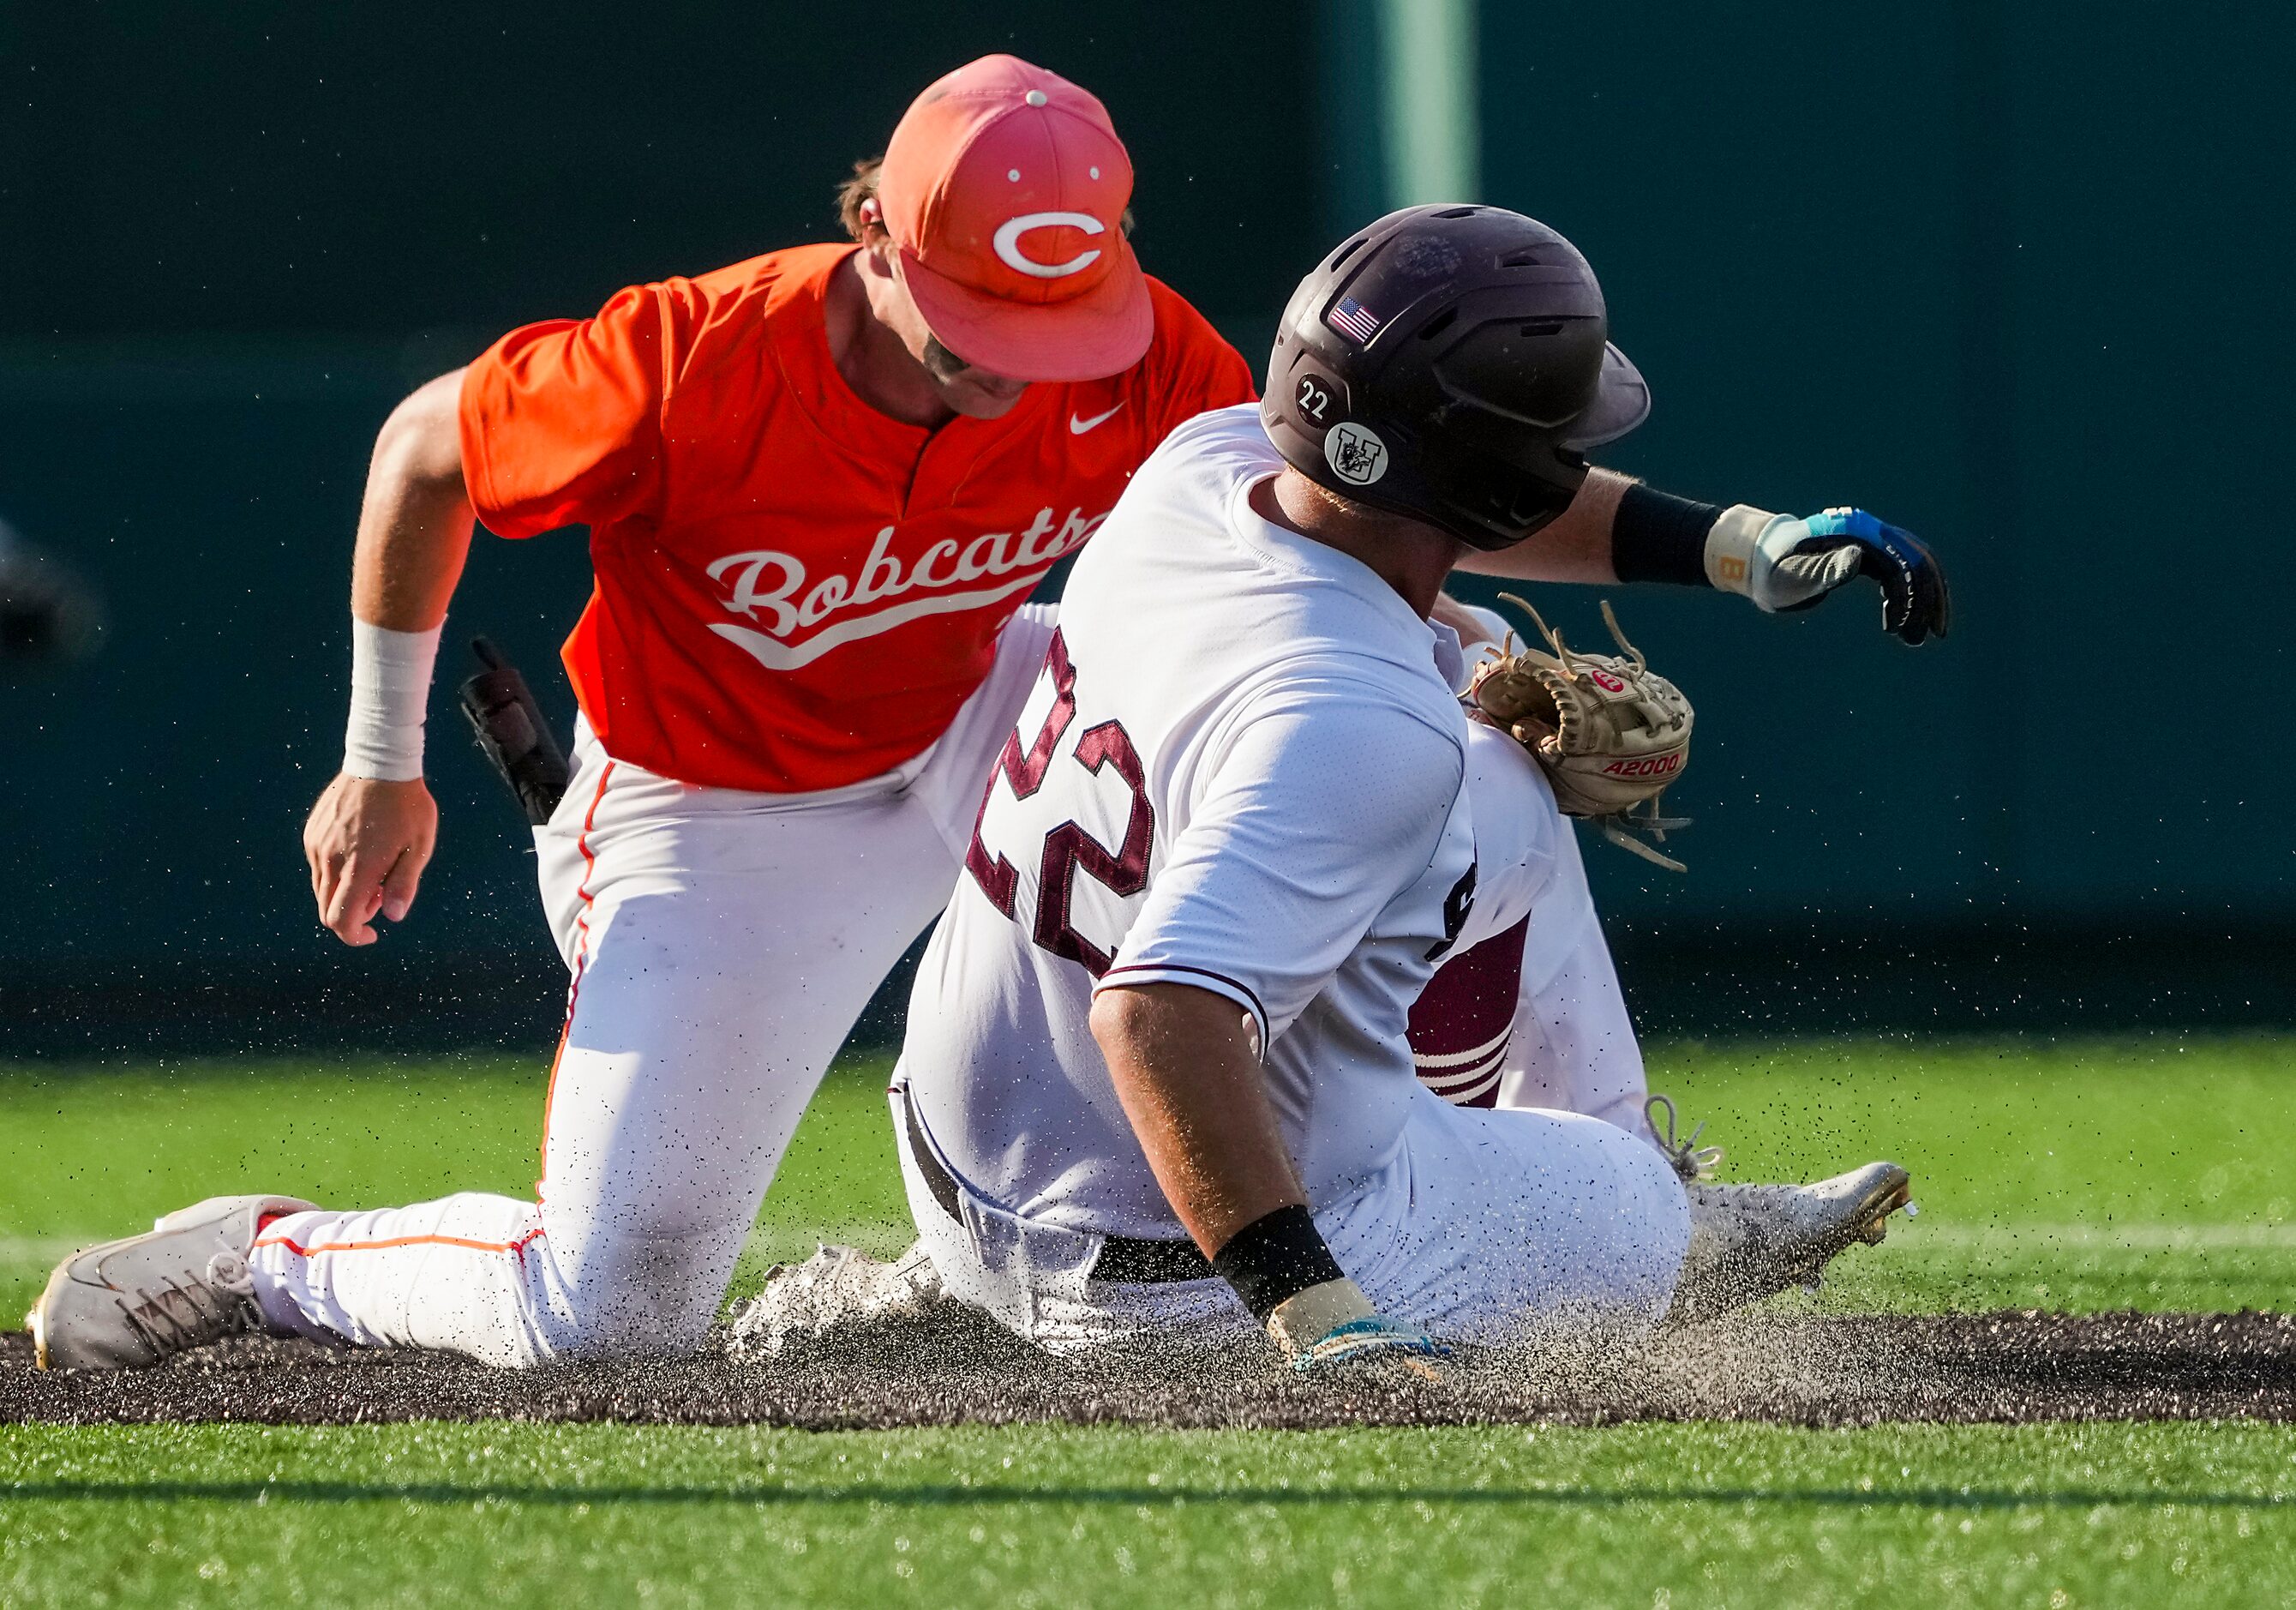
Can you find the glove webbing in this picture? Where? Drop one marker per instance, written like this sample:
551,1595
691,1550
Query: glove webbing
1621,828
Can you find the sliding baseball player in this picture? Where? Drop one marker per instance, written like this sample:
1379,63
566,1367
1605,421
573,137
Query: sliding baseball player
1159,1079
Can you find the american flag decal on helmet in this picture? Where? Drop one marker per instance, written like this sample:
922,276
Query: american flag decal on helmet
1350,317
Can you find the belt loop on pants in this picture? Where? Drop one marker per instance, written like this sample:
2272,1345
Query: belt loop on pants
1122,1261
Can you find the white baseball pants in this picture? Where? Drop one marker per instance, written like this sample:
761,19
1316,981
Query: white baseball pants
1490,1226
721,944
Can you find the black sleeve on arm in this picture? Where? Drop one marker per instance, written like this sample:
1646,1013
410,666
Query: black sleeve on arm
1657,536
1274,1257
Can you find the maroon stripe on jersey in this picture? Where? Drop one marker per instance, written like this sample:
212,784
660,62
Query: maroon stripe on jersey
1482,1092
1459,1023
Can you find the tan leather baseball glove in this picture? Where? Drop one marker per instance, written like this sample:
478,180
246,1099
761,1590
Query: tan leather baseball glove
1611,733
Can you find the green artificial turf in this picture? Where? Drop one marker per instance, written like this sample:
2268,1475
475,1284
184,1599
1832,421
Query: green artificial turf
514,1515
2084,1175
2087,1175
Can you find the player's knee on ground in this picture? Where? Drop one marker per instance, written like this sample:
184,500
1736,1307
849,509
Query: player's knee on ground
645,1296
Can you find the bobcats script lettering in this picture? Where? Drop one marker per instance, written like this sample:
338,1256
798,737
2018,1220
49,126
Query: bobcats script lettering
770,588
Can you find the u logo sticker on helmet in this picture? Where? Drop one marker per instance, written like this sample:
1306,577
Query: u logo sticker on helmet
1354,453
1007,243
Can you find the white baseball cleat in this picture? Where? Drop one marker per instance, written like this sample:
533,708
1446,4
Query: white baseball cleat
132,1303
1748,1242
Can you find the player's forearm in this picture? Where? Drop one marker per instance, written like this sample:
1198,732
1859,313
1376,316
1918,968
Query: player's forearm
1575,548
1184,1068
1620,530
1182,1065
414,537
416,520
1607,536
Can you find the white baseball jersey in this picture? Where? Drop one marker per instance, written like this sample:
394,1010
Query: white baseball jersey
1240,769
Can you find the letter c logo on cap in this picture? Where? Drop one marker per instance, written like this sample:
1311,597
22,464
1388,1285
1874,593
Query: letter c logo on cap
1007,242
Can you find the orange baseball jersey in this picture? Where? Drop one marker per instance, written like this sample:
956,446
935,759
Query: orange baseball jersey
794,591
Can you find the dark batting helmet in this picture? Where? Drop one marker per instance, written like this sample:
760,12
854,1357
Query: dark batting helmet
1451,363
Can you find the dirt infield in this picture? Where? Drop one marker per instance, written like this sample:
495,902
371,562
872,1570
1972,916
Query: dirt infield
1835,1371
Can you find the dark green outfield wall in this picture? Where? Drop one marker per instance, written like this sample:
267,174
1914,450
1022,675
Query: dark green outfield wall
2017,275
265,166
2020,285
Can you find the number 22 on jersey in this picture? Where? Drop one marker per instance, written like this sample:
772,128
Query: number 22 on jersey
1037,791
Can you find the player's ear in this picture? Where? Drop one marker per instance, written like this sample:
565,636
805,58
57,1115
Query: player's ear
874,238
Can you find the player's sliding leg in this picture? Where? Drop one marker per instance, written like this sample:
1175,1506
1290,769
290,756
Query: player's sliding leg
1574,1046
1493,1241
1527,1010
1512,1222
1486,1227
1491,1227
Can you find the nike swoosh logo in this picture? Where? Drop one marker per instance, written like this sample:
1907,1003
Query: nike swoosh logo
1078,427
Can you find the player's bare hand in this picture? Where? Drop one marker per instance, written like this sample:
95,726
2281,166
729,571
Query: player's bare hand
368,842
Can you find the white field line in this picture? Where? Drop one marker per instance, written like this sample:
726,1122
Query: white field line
2100,1238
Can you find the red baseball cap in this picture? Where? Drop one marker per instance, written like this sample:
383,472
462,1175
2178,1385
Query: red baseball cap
1003,189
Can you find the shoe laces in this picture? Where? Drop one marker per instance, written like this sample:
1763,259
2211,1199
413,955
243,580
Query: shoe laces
176,1317
1692,1161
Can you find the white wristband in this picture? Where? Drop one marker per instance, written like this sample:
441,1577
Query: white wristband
1306,1317
390,687
1732,547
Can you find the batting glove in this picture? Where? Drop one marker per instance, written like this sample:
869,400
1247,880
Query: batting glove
1783,562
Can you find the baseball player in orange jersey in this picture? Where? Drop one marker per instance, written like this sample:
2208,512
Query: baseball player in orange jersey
820,485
